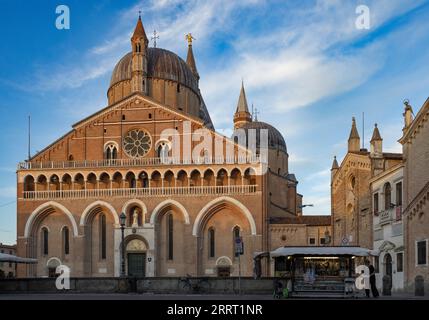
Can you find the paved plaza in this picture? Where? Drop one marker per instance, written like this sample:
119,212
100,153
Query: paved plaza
146,296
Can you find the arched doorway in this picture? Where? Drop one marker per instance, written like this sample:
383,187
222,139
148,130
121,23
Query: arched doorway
52,265
223,266
388,265
136,252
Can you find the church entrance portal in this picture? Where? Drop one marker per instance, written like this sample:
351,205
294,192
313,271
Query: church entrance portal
136,264
136,258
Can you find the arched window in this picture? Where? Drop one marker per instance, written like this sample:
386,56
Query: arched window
387,196
235,236
131,180
66,241
170,236
103,236
222,178
163,151
110,151
212,243
250,176
45,241
29,183
144,180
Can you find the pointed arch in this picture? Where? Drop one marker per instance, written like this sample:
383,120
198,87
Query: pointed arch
213,203
88,209
43,207
165,203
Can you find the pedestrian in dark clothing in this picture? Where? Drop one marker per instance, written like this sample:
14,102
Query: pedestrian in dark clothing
372,282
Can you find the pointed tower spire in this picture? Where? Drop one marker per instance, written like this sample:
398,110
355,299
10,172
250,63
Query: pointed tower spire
190,60
376,134
139,46
354,139
376,142
139,30
242,100
335,163
334,167
242,114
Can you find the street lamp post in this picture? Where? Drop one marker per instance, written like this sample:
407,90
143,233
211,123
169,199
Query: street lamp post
122,219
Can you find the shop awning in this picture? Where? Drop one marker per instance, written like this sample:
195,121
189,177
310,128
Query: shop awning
323,251
11,258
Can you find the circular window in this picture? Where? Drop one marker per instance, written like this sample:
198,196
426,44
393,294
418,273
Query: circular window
137,143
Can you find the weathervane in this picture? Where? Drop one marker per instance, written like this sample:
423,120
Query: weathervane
189,37
155,36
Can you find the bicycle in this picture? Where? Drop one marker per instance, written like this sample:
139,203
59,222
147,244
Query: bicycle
196,286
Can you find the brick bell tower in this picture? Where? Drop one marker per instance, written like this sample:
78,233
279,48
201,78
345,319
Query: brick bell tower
139,45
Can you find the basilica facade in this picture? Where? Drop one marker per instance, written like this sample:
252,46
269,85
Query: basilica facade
184,207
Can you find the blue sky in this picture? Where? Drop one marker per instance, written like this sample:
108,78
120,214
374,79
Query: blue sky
305,66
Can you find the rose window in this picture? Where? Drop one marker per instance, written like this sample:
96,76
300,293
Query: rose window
137,143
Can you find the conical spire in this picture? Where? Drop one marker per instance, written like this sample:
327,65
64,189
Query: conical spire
139,31
376,143
242,114
242,101
354,134
335,164
190,60
354,139
376,134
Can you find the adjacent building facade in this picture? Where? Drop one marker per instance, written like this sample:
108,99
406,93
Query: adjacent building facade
352,217
387,191
415,142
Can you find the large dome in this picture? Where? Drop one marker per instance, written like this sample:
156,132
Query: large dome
161,64
275,138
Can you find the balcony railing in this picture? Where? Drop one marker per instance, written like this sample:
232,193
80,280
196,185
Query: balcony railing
140,192
137,162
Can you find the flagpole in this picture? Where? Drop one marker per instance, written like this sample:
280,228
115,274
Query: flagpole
29,137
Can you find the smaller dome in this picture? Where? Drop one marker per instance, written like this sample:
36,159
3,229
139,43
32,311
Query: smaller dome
275,138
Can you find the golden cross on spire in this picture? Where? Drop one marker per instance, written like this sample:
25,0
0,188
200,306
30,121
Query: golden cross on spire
189,37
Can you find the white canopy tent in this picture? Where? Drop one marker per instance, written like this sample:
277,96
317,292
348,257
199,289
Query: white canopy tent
323,251
11,258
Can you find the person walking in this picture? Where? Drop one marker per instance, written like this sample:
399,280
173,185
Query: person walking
372,281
